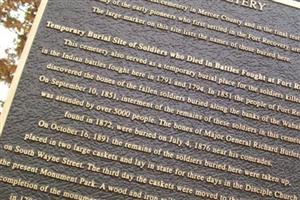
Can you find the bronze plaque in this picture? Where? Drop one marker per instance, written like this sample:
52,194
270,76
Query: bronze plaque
156,100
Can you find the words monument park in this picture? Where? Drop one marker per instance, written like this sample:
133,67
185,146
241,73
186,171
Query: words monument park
156,100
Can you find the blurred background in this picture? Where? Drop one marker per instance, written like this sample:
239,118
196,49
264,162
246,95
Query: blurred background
16,17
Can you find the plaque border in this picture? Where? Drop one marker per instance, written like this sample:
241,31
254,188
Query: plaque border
29,43
21,65
290,3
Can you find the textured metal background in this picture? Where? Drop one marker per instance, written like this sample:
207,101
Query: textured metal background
28,106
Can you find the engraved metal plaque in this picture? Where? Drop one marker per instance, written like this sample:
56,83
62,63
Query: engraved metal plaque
156,100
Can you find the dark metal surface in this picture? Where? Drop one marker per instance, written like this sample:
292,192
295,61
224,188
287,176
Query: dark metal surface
29,107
